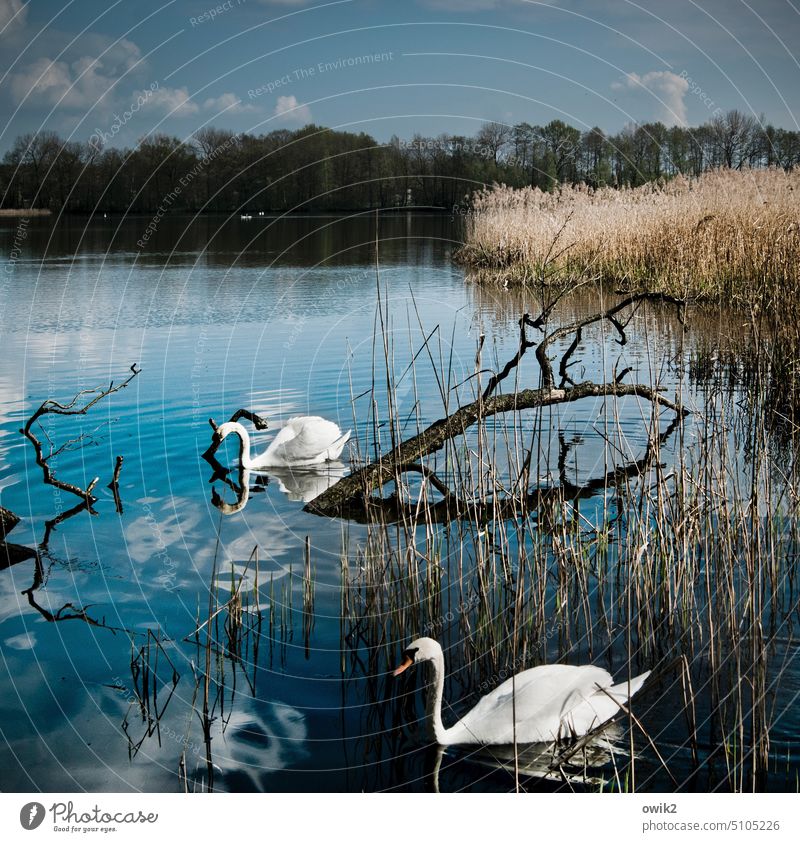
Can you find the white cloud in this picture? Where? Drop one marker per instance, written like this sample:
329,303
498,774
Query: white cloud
229,103
174,101
43,80
12,16
178,103
666,90
78,84
461,5
290,110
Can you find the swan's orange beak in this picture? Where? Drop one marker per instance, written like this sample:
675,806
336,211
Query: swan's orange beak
407,662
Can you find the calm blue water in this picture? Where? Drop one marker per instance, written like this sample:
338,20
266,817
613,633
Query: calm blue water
278,317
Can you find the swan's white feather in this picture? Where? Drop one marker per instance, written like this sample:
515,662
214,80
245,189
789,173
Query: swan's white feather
305,440
550,702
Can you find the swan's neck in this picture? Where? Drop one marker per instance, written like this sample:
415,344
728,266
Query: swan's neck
433,704
244,447
242,495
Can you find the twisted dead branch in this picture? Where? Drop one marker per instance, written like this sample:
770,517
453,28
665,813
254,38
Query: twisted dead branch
353,492
52,407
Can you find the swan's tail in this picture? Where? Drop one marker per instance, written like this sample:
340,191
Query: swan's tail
623,691
581,714
335,450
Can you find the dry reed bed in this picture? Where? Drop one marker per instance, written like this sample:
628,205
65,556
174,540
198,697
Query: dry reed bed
725,236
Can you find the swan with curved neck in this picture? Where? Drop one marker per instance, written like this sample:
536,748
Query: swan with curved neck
305,440
543,704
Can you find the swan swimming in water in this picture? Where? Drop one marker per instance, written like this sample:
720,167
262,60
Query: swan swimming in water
305,440
550,702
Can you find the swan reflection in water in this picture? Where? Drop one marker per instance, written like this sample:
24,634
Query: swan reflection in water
301,485
587,762
252,743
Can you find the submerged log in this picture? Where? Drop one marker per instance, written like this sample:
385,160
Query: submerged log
11,554
8,520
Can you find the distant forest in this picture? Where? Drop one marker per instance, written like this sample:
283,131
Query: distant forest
315,168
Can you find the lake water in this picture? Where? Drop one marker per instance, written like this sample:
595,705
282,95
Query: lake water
277,316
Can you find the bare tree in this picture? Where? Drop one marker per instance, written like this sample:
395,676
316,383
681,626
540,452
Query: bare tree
495,137
733,135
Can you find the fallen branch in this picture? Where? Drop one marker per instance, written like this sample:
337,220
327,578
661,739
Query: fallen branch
358,486
51,407
577,327
385,469
392,509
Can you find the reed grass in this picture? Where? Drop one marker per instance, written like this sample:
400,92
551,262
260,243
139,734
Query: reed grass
683,562
727,236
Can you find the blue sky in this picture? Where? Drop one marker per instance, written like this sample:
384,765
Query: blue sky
87,66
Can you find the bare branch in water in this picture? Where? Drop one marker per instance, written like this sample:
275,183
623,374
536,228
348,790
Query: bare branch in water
524,345
354,490
11,554
74,407
68,611
392,509
114,484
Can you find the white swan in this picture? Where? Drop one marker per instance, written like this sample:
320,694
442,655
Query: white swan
549,703
305,440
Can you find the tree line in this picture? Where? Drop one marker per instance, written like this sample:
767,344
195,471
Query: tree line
315,168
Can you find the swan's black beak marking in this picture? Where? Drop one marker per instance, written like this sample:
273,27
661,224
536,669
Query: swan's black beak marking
408,660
